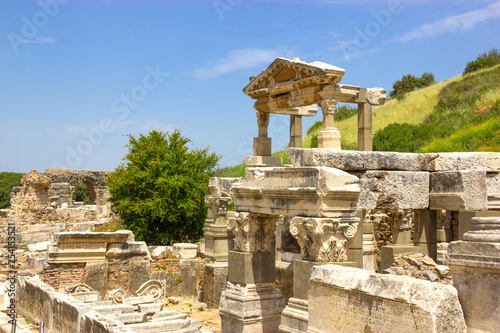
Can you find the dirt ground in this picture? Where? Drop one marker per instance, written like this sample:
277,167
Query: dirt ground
209,318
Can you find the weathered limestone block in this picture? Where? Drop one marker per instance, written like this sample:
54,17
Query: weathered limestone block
251,308
160,252
221,186
391,190
458,190
493,190
185,250
466,161
475,264
95,322
345,299
139,273
351,160
97,277
132,318
190,275
303,191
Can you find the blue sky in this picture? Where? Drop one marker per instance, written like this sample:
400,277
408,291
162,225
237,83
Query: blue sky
77,76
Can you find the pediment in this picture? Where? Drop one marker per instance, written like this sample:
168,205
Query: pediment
284,74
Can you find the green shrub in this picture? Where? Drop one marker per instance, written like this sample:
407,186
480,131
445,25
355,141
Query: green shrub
8,180
81,193
409,83
484,60
159,190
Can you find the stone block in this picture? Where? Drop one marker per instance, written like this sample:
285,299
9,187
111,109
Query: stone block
132,318
259,161
294,318
190,274
354,300
475,264
139,300
97,277
161,326
167,315
466,161
115,309
214,282
185,250
39,247
390,190
304,191
388,252
128,250
246,267
87,297
458,190
139,273
150,308
159,252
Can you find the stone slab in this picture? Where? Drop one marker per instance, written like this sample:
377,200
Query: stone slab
376,160
150,308
458,190
391,190
185,250
345,299
159,252
139,272
114,309
132,318
139,300
38,247
97,277
246,267
388,252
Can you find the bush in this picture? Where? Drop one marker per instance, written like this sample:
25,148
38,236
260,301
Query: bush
484,60
8,180
81,193
159,189
409,83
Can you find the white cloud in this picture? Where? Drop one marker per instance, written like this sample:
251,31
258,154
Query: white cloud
360,54
456,23
239,59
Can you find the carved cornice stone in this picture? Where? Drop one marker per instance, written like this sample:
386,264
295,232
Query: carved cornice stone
323,239
218,204
328,106
253,232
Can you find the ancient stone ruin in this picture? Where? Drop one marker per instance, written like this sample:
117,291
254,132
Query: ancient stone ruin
336,241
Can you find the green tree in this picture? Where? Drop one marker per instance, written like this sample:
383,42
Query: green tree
159,189
81,193
8,180
484,60
409,83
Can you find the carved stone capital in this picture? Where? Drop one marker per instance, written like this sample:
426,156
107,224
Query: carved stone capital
262,119
323,239
253,232
218,204
402,219
328,106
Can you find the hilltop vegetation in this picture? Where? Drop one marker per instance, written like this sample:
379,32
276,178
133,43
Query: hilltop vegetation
460,114
8,180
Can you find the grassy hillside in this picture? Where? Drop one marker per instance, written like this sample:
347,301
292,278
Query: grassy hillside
460,114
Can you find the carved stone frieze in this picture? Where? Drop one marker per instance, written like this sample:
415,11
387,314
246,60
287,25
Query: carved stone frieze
116,296
218,204
253,232
323,239
402,219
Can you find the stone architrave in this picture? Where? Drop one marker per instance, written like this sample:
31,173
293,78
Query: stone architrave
323,239
475,264
346,299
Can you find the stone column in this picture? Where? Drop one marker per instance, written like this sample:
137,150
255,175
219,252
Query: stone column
443,235
402,225
218,242
296,131
474,262
262,147
369,244
329,137
365,127
250,302
322,241
425,234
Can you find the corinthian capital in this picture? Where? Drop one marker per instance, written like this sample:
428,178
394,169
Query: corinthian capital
328,106
253,232
402,219
262,118
323,239
218,204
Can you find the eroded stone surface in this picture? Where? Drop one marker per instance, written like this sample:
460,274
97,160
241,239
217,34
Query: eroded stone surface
353,300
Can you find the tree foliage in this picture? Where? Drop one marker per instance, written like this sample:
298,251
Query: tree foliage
81,193
409,83
159,189
8,180
484,60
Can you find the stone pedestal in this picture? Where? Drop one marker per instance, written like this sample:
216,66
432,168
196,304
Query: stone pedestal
475,263
251,302
214,282
329,138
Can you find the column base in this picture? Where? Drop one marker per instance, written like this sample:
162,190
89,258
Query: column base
252,308
214,282
388,252
295,317
329,138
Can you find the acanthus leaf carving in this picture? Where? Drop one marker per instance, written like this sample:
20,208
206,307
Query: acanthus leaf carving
253,232
218,205
323,239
